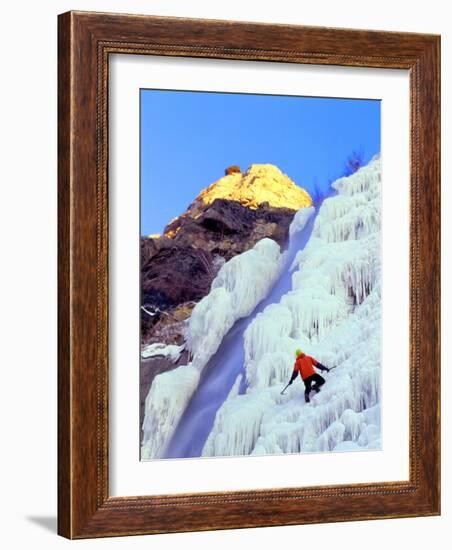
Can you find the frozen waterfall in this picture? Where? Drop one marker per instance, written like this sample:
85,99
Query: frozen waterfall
323,295
332,312
215,341
227,362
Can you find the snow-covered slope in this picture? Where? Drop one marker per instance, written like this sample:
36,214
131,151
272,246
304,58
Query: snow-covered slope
332,313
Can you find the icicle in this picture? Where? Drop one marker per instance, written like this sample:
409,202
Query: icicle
237,426
169,394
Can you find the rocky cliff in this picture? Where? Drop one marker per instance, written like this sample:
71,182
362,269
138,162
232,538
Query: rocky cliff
227,218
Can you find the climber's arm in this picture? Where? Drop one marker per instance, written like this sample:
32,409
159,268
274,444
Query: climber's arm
294,375
322,367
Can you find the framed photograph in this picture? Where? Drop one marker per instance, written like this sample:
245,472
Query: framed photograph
248,275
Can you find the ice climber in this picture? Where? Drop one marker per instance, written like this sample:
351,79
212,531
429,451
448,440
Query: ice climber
304,364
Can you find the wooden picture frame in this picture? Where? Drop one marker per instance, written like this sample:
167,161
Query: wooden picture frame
85,42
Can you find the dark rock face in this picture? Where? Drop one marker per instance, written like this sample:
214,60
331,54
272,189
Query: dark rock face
228,228
178,268
179,273
171,276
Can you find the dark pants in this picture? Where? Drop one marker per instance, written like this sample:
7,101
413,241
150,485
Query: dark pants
319,381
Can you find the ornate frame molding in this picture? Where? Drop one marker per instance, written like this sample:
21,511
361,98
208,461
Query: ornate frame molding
85,42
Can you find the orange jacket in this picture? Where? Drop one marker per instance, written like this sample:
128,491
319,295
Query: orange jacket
305,366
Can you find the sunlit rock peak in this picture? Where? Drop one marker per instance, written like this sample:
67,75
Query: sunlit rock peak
261,183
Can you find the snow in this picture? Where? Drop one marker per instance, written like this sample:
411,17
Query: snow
169,395
171,351
333,313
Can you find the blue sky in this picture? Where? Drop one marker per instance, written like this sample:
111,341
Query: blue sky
189,138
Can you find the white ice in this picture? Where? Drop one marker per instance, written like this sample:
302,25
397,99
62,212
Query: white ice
332,313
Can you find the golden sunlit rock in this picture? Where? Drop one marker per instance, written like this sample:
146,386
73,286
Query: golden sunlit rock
261,183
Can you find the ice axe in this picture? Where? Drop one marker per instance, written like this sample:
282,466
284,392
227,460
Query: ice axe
285,388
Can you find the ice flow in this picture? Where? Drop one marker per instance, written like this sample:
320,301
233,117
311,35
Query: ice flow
220,373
